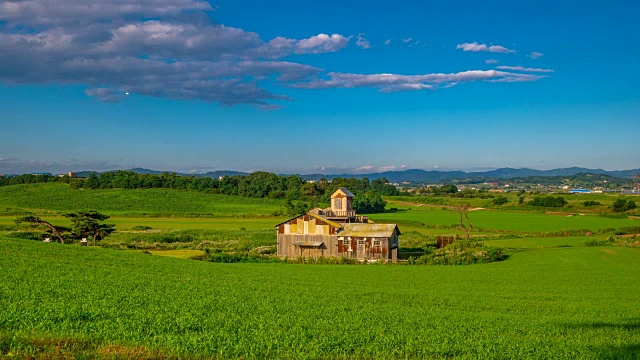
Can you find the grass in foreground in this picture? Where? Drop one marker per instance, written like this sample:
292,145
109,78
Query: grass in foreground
546,303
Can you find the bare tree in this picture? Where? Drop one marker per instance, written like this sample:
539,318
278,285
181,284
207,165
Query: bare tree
463,211
35,220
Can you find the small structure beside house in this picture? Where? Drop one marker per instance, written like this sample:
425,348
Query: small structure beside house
339,232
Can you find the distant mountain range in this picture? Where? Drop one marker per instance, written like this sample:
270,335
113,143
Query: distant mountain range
424,176
433,176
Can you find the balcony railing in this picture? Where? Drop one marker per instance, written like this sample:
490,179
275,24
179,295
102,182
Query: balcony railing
340,214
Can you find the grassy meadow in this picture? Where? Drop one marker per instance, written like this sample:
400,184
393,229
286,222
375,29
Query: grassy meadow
559,293
58,197
68,301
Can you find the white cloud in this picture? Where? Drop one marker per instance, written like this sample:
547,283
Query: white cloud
387,42
475,47
321,43
395,82
535,55
369,169
491,61
362,42
525,69
407,40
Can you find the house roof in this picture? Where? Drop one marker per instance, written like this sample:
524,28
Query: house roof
332,223
344,191
316,216
369,230
308,243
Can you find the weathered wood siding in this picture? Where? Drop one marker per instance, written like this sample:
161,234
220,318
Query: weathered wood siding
308,229
286,247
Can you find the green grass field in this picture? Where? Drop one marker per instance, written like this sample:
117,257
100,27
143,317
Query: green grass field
58,300
55,197
507,220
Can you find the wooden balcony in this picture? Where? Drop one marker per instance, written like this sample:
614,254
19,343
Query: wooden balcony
349,216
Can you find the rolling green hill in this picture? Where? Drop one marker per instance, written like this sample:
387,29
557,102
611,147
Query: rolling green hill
58,197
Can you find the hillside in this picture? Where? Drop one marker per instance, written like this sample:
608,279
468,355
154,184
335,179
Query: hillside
60,197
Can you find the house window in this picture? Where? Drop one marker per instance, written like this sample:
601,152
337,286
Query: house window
346,242
376,242
360,242
338,204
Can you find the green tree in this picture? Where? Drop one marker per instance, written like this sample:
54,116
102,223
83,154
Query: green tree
500,200
87,224
622,205
57,231
448,189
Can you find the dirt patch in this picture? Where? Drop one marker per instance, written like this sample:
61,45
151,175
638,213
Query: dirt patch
567,214
608,251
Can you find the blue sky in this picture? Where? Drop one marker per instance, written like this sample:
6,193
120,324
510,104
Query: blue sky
337,86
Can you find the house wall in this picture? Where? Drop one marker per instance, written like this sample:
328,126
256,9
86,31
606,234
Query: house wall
286,247
306,228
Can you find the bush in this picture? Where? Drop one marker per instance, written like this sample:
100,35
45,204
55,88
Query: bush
500,200
596,242
548,201
26,235
591,203
622,205
141,228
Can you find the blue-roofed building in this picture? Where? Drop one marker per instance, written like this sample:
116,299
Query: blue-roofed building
580,191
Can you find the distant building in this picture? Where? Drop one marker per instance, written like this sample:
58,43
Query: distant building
580,191
337,231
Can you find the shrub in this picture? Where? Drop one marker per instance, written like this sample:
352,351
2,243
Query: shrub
26,235
500,200
591,203
141,228
548,201
622,205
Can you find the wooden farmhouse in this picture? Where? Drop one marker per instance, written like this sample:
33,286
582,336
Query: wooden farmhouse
337,231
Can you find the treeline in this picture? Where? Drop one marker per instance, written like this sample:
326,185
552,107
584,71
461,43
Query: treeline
300,195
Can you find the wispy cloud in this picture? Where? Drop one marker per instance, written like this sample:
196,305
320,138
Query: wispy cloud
491,61
18,166
476,47
362,42
395,82
525,69
407,40
387,42
535,55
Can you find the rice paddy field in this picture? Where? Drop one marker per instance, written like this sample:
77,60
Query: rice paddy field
559,293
